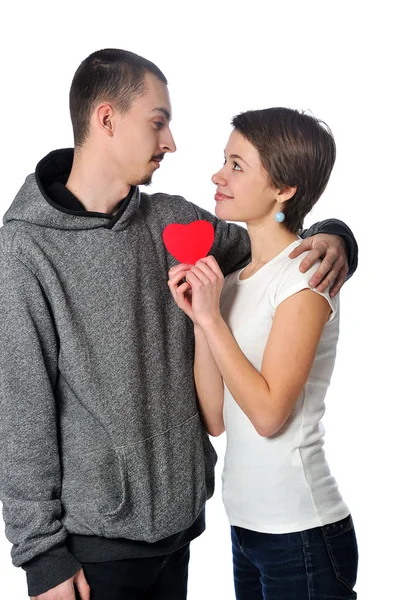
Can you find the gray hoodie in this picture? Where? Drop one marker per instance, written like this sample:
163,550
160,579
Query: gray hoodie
99,427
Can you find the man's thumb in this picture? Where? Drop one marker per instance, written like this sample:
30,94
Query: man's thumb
305,245
82,585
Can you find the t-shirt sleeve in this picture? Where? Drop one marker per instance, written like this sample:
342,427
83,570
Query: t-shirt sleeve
290,281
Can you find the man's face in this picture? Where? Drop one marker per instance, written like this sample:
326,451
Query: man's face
142,136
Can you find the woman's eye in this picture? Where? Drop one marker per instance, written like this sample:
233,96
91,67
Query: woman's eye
236,166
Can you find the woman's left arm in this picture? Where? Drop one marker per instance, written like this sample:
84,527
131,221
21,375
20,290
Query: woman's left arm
267,397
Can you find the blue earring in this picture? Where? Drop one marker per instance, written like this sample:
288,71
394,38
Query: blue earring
279,216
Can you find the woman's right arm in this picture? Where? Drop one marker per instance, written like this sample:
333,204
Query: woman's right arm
208,380
209,385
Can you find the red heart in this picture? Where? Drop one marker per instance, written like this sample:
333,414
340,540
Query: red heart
189,243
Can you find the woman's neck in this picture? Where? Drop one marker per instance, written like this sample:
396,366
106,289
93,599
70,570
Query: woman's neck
268,239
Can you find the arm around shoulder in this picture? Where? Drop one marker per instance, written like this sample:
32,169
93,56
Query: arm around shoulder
337,227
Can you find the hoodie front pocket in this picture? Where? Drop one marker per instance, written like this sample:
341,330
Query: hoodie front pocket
164,483
91,484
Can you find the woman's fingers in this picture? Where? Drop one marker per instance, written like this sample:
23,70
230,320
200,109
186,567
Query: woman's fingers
207,270
175,277
183,299
178,274
212,263
180,294
199,275
178,268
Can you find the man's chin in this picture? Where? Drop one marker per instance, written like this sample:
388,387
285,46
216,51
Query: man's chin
145,181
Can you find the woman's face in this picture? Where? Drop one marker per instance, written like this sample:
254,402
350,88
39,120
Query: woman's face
244,189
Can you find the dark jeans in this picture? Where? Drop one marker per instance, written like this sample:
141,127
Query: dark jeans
153,578
316,564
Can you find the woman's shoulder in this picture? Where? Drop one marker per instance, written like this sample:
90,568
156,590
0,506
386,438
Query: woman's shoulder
290,280
289,268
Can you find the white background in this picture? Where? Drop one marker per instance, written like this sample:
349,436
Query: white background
339,60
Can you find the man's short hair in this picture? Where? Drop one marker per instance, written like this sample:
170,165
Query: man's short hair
110,75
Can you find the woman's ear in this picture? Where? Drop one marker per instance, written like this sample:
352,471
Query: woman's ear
286,192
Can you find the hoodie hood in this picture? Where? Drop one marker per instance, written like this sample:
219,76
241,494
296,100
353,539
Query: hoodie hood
33,203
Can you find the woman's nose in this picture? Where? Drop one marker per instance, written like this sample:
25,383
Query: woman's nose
217,178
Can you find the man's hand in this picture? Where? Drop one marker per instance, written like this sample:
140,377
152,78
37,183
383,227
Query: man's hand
330,249
66,589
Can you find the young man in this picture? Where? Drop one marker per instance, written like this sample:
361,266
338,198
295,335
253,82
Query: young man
104,463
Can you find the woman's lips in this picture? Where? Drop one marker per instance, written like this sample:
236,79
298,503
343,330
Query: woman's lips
219,197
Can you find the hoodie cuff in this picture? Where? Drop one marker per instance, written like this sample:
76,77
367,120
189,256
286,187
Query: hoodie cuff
337,227
49,569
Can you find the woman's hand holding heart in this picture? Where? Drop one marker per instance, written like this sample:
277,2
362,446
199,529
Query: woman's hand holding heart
199,295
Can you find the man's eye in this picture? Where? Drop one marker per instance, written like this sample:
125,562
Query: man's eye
158,124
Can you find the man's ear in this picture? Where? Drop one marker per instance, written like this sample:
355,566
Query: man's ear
104,115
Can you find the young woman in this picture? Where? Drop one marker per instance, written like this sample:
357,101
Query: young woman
264,355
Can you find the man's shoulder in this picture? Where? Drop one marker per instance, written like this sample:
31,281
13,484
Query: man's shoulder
172,207
13,249
15,236
159,197
7,235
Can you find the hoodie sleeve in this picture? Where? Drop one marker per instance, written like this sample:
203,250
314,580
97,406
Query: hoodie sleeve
337,227
30,473
232,247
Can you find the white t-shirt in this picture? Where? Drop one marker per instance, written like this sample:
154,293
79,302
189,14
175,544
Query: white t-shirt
279,484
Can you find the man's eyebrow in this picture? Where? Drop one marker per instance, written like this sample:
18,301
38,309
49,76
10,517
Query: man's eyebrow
162,110
235,156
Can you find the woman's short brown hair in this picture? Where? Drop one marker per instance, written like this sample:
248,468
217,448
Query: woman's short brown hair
296,149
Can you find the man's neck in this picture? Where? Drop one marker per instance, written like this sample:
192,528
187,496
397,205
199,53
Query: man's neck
91,182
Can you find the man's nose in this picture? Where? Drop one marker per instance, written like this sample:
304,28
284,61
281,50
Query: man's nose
167,142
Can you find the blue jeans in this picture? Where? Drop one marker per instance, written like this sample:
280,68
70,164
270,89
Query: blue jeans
315,564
